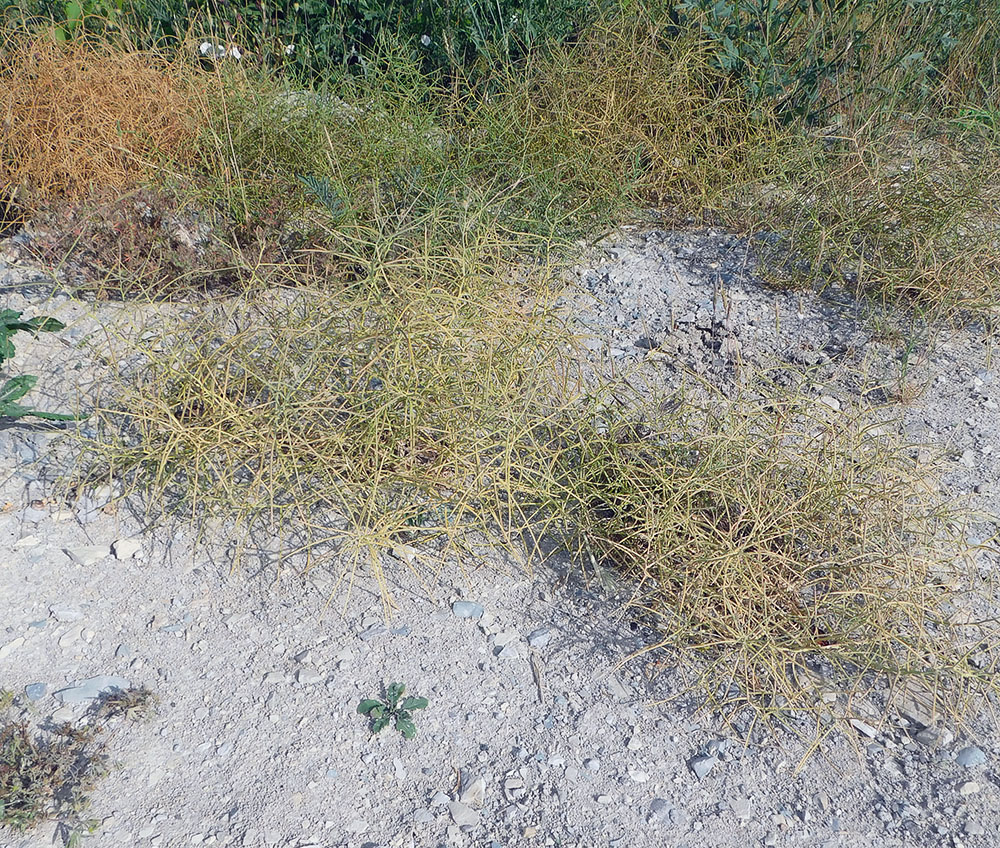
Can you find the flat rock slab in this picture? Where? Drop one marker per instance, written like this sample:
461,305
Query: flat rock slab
92,687
126,548
87,554
467,609
463,815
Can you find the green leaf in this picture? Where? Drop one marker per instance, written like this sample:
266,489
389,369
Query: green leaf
394,693
55,416
44,324
17,387
6,346
320,188
367,705
406,727
74,12
13,410
380,724
415,704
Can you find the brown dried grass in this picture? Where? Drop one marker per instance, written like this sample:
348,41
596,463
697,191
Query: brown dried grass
84,114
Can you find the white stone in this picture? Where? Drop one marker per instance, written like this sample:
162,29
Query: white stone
87,554
474,794
126,548
864,727
463,815
11,646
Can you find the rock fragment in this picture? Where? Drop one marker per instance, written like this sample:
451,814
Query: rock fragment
971,757
467,609
462,814
701,766
92,687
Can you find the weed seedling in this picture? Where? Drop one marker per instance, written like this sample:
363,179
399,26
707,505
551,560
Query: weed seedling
17,387
391,709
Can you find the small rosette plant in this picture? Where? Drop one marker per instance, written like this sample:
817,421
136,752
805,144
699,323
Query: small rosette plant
394,708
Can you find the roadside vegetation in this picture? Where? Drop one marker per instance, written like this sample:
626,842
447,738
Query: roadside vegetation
359,222
49,773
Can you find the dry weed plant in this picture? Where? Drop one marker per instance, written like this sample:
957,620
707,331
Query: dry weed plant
49,773
902,218
340,421
793,549
652,113
86,114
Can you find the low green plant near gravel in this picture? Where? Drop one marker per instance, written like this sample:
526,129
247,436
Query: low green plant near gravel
393,709
16,388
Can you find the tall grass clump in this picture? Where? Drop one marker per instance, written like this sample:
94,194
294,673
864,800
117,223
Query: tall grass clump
904,218
339,421
649,113
788,548
551,150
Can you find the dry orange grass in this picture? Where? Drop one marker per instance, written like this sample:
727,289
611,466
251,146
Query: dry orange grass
82,115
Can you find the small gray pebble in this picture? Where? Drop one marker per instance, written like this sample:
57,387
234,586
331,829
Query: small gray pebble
539,638
740,807
661,808
462,814
34,691
86,690
701,766
63,614
467,609
971,756
372,632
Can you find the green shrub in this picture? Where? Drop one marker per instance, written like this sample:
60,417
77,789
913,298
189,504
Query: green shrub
809,57
315,36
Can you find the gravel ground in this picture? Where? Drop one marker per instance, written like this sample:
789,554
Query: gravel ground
534,735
